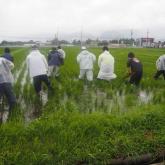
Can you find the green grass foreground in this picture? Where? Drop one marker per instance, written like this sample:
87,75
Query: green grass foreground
62,137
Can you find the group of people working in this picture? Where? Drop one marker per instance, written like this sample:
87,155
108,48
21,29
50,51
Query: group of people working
106,62
106,65
87,59
40,68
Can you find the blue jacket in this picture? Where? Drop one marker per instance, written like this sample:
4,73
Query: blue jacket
54,58
8,56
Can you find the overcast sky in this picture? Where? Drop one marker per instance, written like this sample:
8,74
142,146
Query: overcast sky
40,19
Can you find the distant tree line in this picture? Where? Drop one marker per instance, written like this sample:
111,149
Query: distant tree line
19,43
89,41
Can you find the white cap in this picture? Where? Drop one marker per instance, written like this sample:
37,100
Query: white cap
83,48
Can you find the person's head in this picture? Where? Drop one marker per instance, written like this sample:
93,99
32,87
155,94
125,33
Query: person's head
59,47
7,50
83,48
131,55
54,48
105,48
34,47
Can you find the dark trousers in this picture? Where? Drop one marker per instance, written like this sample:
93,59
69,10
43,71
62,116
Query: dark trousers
158,73
37,82
6,89
136,78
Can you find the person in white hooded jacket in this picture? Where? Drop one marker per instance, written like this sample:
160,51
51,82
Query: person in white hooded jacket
106,64
38,69
6,81
160,65
86,60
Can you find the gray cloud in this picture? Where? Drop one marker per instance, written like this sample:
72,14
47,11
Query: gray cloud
37,18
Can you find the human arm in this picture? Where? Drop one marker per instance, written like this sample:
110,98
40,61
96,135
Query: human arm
64,54
9,63
78,58
128,72
99,61
158,63
45,62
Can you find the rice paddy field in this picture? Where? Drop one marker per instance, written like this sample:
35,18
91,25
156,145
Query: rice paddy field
82,122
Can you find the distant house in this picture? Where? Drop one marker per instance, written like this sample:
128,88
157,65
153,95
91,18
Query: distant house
117,45
28,45
145,42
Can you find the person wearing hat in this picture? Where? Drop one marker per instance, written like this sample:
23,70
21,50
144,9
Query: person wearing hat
160,65
135,69
86,59
38,68
106,64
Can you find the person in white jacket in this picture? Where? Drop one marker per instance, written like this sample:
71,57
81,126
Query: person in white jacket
63,54
106,64
38,69
160,65
6,81
86,60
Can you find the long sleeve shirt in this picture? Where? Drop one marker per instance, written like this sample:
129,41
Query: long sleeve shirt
160,63
5,71
36,64
86,59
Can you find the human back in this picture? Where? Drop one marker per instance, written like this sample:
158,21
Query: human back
106,61
6,80
135,65
160,63
106,64
5,71
54,58
36,63
86,59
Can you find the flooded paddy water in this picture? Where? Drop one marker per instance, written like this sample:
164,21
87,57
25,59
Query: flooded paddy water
87,102
98,100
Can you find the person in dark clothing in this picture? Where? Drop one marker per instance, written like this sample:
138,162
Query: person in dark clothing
54,62
7,55
135,69
37,82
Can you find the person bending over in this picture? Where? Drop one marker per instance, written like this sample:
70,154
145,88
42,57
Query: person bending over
106,64
38,68
135,69
6,80
86,60
160,65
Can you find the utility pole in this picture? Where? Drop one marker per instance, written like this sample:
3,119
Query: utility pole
57,37
81,37
131,37
147,37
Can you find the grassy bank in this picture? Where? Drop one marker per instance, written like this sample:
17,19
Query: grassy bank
66,137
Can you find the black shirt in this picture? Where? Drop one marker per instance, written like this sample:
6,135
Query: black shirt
135,65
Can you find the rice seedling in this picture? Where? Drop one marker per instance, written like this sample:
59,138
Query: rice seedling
86,122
